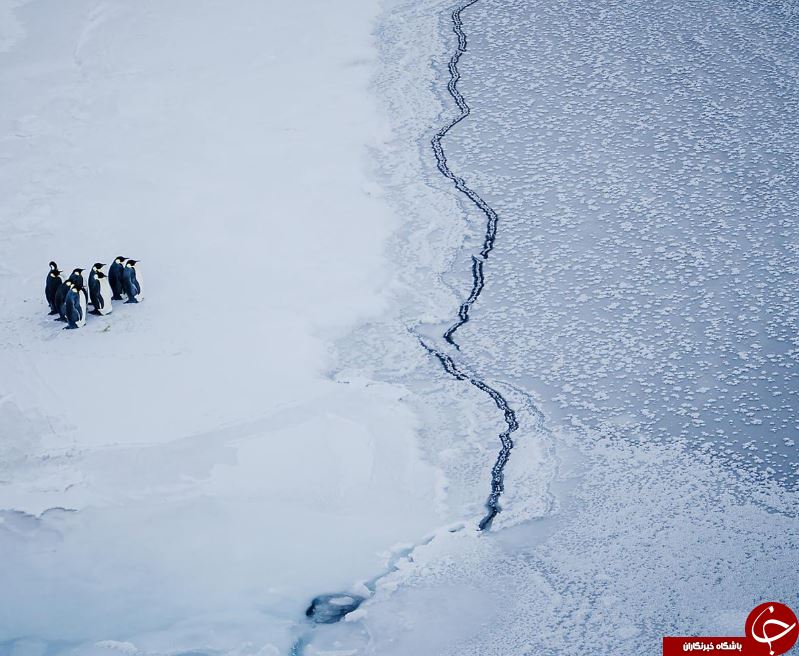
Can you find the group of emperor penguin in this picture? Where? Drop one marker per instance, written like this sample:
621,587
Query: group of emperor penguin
68,298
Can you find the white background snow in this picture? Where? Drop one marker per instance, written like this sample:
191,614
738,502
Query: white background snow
186,474
217,472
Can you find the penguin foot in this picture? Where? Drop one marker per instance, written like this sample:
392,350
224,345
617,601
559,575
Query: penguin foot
52,312
60,319
116,298
96,313
132,300
69,328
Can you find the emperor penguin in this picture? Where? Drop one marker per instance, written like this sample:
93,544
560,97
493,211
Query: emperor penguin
75,307
102,299
131,281
61,299
51,286
61,293
94,286
77,279
115,277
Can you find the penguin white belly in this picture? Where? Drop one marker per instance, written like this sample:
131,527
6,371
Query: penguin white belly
82,300
139,296
105,296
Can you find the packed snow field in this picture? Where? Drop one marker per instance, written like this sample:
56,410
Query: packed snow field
268,426
184,473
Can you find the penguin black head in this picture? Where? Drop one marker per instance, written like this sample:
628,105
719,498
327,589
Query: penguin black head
100,274
119,259
77,271
97,266
53,266
131,263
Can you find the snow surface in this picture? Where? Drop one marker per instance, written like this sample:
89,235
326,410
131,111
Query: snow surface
184,473
184,476
641,295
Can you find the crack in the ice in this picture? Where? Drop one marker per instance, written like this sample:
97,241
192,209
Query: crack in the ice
478,277
463,312
460,183
331,608
497,471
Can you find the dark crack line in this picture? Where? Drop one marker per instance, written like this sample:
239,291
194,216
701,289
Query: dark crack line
478,276
463,312
460,183
321,603
497,471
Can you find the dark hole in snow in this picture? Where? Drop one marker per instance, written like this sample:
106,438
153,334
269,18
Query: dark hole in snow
330,608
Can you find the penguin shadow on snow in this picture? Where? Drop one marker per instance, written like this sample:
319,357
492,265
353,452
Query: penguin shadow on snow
69,299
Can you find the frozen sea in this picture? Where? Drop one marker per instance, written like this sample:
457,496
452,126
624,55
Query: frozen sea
274,421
